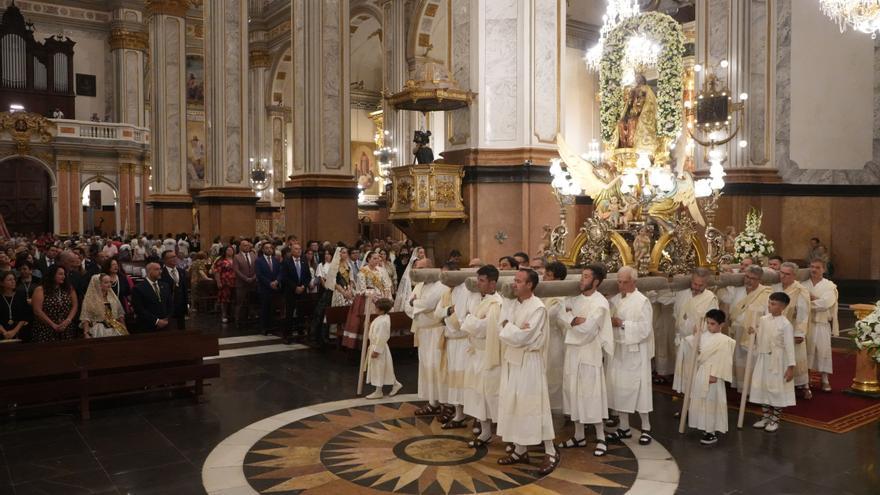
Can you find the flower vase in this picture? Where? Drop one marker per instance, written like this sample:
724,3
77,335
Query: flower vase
865,383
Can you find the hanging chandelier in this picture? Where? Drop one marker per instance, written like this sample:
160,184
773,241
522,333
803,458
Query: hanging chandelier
616,12
860,15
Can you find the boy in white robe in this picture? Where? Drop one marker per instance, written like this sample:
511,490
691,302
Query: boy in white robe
483,373
428,331
691,305
587,325
773,377
798,314
823,297
380,367
454,306
708,404
628,374
555,336
524,416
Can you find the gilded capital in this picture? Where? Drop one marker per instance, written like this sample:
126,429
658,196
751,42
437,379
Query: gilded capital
176,8
63,166
125,39
259,58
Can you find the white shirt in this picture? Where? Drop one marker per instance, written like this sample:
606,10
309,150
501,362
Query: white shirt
174,275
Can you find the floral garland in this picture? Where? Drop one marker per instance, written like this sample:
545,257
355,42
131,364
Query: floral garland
868,334
665,31
751,242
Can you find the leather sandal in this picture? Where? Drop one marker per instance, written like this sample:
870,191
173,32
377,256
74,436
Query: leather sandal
601,448
453,424
572,443
479,442
427,410
514,458
551,462
645,438
509,448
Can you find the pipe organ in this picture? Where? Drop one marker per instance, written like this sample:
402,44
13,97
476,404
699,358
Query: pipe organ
37,75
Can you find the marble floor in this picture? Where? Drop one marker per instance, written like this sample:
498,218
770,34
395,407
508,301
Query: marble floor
158,444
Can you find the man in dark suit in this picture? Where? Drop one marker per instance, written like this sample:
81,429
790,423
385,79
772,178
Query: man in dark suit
175,278
267,269
150,299
294,277
48,259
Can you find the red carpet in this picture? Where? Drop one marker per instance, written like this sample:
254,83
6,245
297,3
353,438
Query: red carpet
836,411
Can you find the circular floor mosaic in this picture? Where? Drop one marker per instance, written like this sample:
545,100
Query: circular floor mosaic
367,447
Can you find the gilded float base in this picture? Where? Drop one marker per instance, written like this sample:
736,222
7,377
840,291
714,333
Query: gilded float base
865,383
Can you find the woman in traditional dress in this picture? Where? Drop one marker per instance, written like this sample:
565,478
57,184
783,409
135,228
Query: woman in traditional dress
224,275
404,288
373,279
120,283
14,313
102,314
342,282
389,266
55,304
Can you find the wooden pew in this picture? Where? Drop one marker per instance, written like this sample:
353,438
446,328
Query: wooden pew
83,370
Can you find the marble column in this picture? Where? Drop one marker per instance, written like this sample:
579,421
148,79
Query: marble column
321,195
129,42
227,205
74,197
510,53
395,75
63,190
169,199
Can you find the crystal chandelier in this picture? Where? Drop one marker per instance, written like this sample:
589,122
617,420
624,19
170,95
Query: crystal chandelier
861,15
616,12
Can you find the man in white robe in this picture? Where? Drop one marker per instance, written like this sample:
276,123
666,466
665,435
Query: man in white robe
555,337
524,416
798,314
823,296
455,304
629,372
747,304
691,306
587,325
427,332
483,372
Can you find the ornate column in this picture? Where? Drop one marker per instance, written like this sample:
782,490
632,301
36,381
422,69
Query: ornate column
127,194
74,198
169,200
63,189
321,196
394,45
259,62
129,42
510,53
227,205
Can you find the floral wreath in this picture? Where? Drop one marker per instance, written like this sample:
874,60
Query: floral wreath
667,32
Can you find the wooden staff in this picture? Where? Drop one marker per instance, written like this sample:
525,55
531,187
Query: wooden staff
747,381
362,369
689,379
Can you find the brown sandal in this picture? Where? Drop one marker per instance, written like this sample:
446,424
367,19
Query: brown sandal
514,458
453,424
551,462
427,410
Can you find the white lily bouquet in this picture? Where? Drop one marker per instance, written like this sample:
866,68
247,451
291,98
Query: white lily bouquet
751,242
868,334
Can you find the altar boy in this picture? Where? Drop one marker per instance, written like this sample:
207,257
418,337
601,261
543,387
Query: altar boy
708,406
773,376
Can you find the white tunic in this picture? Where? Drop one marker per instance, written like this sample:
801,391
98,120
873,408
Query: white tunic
555,351
483,372
798,314
455,358
708,407
629,373
824,311
380,370
524,415
664,331
740,317
585,397
689,311
428,330
774,351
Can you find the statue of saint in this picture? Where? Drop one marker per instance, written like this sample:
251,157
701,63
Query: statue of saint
637,128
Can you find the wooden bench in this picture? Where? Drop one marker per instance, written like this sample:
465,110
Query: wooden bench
83,370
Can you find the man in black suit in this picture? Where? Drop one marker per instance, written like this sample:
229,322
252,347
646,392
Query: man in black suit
267,268
150,298
294,277
175,278
48,259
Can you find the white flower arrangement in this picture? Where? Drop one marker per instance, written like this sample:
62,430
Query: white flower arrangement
665,31
868,333
751,242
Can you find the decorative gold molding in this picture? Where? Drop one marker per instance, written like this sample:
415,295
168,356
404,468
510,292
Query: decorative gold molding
24,126
176,8
258,58
132,40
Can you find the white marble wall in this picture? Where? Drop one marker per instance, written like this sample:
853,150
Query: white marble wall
460,120
758,116
167,35
502,64
298,52
546,69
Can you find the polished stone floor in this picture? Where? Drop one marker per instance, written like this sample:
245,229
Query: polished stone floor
158,444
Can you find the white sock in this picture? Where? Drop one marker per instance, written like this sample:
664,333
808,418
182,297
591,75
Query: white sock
646,422
378,390
624,420
549,447
579,431
600,431
486,427
459,413
519,449
433,403
825,379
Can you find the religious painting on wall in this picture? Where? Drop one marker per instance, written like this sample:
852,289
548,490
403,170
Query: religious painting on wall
364,166
195,154
86,85
195,80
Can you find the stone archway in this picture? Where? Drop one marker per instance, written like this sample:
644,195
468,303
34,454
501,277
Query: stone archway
98,217
27,199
